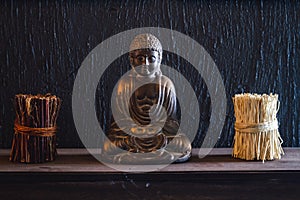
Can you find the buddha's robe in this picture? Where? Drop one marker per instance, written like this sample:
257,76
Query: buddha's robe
145,120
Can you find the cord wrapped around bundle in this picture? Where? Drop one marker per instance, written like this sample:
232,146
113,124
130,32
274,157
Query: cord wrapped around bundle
35,128
256,127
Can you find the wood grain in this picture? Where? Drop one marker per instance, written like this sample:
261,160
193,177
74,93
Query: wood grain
255,45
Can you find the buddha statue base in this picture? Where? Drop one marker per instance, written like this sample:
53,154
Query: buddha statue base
165,149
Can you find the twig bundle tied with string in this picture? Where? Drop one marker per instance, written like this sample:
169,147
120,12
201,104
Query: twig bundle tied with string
256,127
34,138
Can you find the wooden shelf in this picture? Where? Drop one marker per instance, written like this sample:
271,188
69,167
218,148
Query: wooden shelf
197,178
219,160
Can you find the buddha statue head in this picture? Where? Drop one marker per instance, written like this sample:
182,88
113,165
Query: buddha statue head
145,54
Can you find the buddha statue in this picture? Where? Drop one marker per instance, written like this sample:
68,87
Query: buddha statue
145,123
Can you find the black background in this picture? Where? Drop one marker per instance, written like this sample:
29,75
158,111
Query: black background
255,44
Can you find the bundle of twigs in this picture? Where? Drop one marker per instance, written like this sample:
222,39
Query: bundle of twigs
256,127
35,128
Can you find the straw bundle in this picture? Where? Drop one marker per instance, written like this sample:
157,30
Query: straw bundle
35,128
256,127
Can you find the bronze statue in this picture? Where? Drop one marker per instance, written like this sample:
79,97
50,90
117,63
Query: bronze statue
145,104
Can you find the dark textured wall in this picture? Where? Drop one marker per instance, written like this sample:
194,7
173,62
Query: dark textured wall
255,44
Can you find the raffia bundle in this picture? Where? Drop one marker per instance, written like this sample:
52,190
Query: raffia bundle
256,127
35,128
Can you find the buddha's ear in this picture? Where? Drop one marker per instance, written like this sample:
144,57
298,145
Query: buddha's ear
160,56
131,60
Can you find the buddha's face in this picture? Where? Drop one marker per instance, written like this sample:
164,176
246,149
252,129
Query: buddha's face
145,62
